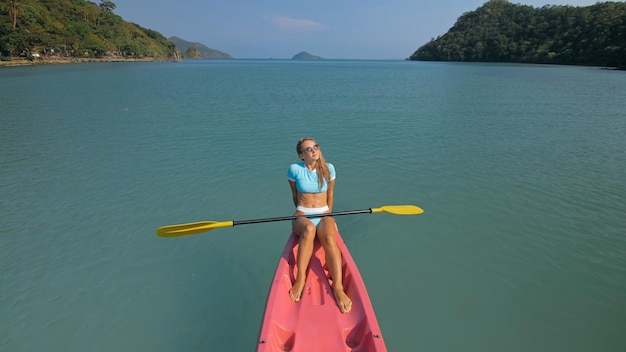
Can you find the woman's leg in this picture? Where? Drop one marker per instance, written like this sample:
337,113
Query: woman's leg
305,230
326,231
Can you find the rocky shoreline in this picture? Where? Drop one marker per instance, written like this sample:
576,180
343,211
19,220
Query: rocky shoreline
58,60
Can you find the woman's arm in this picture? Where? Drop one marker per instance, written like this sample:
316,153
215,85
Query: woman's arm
330,195
294,192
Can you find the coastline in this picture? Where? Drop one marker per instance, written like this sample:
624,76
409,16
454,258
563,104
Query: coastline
58,60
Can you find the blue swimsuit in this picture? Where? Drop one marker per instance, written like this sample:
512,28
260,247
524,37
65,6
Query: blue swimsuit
306,182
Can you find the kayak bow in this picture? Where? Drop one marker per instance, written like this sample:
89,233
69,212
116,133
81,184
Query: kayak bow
315,323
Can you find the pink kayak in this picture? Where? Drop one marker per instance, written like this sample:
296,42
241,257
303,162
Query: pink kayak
316,323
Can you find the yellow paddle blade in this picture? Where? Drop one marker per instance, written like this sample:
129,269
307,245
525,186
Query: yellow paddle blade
191,228
399,209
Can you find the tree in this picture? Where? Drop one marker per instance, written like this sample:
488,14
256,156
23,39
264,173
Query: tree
14,10
107,6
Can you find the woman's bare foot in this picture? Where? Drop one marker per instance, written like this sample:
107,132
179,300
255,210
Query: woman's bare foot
296,290
343,301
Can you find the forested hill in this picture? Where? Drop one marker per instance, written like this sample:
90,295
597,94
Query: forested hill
75,28
503,32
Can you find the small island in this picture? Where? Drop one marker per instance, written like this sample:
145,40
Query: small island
303,55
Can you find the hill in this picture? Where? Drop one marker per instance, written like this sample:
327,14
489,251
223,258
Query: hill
75,29
303,55
503,32
191,50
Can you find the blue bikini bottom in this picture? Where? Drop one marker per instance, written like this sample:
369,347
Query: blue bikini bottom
312,211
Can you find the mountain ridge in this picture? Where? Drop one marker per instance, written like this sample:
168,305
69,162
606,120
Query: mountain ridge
195,50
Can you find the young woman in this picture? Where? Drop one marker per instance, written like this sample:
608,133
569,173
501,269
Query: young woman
312,184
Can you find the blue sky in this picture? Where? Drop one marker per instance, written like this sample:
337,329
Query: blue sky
333,29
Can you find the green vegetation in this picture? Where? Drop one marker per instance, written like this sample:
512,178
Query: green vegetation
75,29
503,32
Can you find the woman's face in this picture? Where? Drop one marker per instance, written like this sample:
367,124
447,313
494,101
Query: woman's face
310,151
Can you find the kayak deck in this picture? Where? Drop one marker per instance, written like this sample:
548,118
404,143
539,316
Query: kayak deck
315,323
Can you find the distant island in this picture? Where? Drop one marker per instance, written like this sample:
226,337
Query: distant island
303,55
500,31
191,50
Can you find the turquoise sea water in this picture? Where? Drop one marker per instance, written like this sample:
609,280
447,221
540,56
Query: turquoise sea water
519,168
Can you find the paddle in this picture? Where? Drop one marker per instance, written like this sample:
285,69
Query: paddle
203,226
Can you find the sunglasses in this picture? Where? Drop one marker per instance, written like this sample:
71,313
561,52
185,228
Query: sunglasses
310,149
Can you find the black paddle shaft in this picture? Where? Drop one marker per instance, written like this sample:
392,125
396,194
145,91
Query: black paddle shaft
294,217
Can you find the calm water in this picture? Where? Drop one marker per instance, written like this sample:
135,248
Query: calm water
520,170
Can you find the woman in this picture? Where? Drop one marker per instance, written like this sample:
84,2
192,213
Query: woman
312,184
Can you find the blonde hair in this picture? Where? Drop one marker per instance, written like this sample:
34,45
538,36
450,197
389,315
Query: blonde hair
323,173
